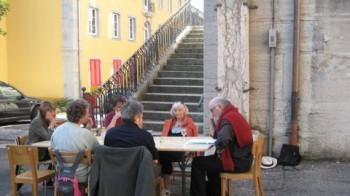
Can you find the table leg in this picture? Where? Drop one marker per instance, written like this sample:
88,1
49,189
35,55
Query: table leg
183,170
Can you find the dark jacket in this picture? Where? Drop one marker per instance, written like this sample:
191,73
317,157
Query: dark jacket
122,172
128,134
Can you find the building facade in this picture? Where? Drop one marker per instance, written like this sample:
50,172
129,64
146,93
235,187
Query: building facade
322,82
54,48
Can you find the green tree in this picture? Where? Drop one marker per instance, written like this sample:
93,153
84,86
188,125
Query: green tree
4,8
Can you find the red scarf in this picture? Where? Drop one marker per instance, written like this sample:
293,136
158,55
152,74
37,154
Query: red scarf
241,130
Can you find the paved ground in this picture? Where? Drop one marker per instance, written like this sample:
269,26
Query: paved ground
308,178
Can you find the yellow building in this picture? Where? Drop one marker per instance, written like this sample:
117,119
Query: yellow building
54,48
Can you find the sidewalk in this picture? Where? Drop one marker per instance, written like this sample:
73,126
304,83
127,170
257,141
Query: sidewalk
308,178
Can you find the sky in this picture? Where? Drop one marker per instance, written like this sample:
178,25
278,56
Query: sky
198,4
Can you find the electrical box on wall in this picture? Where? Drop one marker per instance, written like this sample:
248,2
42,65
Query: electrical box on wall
272,38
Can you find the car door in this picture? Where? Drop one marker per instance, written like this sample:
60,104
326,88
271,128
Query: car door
2,106
16,106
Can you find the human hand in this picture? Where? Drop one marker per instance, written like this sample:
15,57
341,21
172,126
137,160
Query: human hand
117,115
53,123
89,123
155,162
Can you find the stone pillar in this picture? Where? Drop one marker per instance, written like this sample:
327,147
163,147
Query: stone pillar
233,52
70,50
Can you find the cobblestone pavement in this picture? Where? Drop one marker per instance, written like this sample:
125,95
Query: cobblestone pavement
311,177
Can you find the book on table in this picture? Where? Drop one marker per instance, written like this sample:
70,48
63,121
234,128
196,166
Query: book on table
201,141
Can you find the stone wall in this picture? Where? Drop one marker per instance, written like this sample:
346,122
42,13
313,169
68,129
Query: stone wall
324,96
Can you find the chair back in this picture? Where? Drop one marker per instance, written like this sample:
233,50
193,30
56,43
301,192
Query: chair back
70,156
21,140
257,151
22,155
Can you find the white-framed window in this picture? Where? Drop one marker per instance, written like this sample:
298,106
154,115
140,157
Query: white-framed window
132,30
146,5
147,30
170,6
179,4
115,24
160,4
93,21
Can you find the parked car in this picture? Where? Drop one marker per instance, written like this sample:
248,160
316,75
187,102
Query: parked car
15,106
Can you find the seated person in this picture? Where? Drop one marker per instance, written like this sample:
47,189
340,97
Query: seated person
173,127
130,132
71,136
42,127
113,118
233,149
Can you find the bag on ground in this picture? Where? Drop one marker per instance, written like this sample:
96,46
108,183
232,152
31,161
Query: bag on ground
289,155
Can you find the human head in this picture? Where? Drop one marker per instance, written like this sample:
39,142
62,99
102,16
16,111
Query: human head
117,102
133,112
78,111
217,104
47,110
179,110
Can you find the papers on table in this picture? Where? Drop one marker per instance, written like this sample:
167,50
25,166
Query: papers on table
201,141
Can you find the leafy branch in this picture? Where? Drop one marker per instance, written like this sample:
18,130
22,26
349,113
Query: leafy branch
4,8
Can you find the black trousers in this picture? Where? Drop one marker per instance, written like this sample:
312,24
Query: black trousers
203,166
166,158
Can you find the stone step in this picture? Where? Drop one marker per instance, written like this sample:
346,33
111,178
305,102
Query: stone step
188,50
172,97
178,81
195,35
184,61
198,68
166,106
181,74
191,45
187,55
175,89
162,115
193,40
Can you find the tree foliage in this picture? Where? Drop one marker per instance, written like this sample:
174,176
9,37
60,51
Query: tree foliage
4,8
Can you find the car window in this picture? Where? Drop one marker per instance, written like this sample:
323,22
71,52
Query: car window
7,92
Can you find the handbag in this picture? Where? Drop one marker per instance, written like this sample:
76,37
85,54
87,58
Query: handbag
289,155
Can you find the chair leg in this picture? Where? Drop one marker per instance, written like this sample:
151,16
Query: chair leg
14,189
223,186
261,186
230,187
35,189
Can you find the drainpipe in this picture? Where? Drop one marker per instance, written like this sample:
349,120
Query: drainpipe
78,53
293,137
272,84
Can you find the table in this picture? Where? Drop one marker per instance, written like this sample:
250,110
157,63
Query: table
183,144
178,144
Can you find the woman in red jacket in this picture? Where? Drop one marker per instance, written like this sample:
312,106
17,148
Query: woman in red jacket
179,125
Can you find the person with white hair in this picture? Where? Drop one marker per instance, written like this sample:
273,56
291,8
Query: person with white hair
179,125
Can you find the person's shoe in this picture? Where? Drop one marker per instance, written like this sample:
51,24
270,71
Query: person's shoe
166,192
49,183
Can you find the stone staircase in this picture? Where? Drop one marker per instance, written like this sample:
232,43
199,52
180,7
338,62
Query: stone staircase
181,79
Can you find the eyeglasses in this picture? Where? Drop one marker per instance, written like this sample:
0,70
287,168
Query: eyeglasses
212,109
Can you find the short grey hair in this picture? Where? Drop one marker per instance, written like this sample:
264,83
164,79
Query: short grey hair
130,110
216,100
177,105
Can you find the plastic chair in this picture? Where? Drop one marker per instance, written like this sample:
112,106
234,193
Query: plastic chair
26,156
254,173
69,157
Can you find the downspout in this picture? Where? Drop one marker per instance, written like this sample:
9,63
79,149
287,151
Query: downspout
293,137
272,84
78,34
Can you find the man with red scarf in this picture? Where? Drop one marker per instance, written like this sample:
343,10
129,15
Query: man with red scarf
233,149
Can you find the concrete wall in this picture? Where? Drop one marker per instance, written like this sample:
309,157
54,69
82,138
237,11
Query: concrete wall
210,58
324,102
